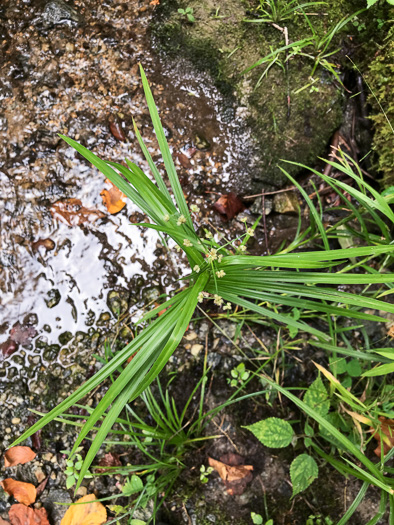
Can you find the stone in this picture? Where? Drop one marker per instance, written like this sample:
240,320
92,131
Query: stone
58,12
286,202
196,349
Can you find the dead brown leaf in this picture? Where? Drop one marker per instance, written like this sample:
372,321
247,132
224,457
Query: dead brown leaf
91,513
235,477
72,213
110,459
114,199
116,129
22,515
387,429
18,456
23,492
155,2
229,205
4,522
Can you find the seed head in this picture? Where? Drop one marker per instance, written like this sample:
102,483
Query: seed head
181,220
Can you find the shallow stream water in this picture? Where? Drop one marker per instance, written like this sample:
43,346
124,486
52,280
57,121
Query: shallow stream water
73,69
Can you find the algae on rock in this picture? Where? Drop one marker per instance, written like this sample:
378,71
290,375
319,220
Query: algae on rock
380,77
287,122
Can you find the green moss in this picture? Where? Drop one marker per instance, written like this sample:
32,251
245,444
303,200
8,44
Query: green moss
225,45
380,78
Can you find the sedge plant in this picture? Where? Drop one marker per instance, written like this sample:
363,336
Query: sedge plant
221,273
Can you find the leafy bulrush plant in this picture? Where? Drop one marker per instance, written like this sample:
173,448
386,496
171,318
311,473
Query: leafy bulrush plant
220,272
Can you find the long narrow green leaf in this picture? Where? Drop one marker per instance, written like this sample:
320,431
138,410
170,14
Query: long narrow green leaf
165,150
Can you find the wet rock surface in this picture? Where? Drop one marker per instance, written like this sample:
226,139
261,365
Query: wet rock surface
290,115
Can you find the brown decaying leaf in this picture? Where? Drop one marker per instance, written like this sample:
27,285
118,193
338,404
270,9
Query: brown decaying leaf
110,459
41,487
22,333
116,129
113,199
229,205
235,476
72,213
91,513
8,348
18,456
23,492
4,522
22,515
184,160
387,429
47,245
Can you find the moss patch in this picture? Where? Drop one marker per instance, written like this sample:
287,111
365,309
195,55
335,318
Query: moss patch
380,78
287,122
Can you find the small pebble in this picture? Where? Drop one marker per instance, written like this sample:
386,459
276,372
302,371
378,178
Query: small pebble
196,349
16,420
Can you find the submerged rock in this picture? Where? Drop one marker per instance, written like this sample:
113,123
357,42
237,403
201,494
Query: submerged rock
292,116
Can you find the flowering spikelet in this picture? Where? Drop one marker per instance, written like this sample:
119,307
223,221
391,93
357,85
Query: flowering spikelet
194,208
187,243
181,220
196,269
208,235
220,257
228,306
166,217
220,273
242,248
250,231
217,299
200,297
212,255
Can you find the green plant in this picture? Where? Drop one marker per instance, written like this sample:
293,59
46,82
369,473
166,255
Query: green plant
204,473
187,13
277,433
217,271
315,48
74,465
239,374
277,11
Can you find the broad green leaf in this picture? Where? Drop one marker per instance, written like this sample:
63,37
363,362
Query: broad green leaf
353,368
132,485
272,432
317,398
338,365
303,472
370,3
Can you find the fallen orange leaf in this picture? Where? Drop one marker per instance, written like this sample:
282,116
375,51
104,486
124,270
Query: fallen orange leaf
387,430
22,515
4,522
91,513
72,213
114,199
228,472
18,456
23,492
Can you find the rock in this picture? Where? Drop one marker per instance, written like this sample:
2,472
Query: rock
286,202
117,301
53,298
285,123
58,12
56,512
201,142
257,206
196,349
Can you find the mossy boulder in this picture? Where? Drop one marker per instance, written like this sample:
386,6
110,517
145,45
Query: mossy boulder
380,78
291,116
